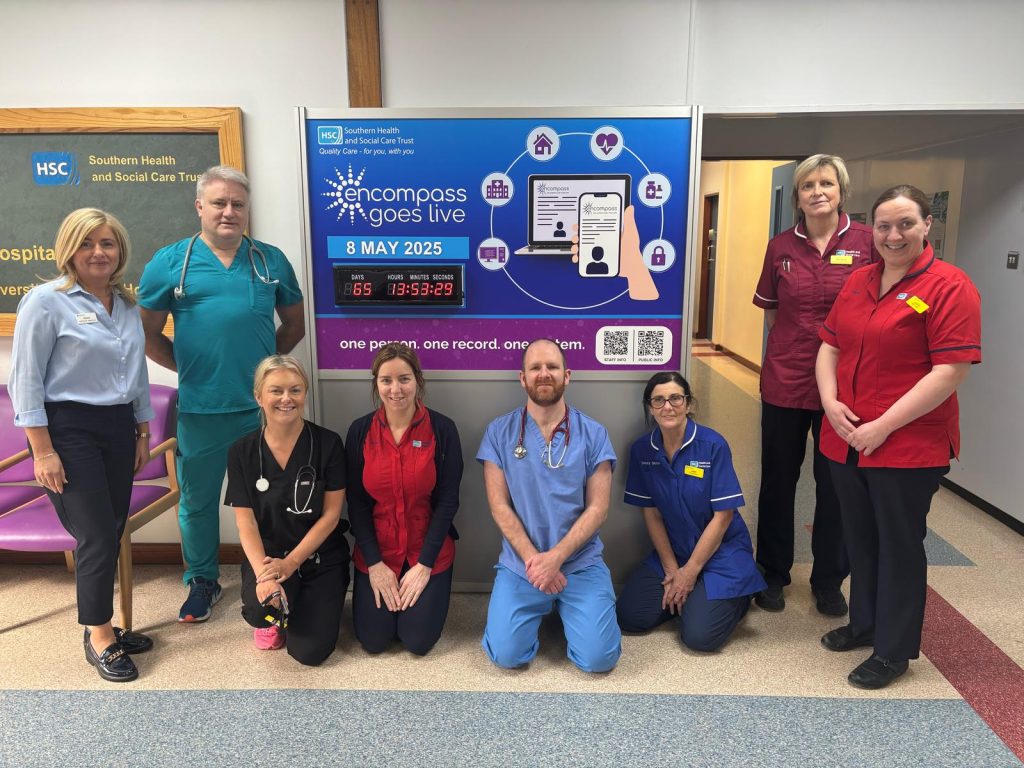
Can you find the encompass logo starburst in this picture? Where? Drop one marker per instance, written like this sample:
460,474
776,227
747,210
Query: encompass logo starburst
337,195
588,208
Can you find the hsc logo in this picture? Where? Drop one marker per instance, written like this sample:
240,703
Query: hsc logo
328,134
55,168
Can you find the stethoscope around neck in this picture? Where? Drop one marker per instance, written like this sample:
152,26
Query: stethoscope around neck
179,292
307,471
562,426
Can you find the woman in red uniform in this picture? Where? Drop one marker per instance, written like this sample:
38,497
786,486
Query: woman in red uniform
405,467
899,340
804,268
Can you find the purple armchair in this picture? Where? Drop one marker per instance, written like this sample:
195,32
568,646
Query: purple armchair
28,522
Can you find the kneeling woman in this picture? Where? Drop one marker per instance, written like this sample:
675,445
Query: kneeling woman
286,482
702,567
404,469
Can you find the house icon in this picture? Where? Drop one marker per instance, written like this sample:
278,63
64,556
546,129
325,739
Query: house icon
542,144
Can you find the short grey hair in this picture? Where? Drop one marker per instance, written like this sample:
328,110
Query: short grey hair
220,173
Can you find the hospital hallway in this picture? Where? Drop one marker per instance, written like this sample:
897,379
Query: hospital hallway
772,696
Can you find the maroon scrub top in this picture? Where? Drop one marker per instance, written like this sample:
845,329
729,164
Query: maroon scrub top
802,285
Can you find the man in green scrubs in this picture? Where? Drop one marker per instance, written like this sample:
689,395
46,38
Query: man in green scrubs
223,303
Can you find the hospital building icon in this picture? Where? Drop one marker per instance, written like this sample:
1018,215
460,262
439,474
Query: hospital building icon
497,190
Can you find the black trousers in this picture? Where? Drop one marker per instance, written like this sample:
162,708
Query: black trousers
884,511
96,445
316,596
417,628
783,444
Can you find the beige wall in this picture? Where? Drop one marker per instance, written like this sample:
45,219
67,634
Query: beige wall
744,205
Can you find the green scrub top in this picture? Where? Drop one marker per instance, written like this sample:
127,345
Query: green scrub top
224,324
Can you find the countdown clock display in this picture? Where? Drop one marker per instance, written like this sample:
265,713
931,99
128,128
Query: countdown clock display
399,285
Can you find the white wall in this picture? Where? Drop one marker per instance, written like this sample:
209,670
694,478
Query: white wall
267,56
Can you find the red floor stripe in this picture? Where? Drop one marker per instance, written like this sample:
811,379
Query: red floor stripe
981,672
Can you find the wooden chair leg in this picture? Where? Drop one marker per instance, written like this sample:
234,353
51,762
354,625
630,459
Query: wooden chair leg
69,561
124,580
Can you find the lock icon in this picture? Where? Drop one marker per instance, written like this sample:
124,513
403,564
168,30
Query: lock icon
658,256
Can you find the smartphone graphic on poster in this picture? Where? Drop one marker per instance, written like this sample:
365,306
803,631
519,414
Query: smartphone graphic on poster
600,226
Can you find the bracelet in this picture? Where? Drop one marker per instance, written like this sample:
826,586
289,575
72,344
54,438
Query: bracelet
44,456
142,434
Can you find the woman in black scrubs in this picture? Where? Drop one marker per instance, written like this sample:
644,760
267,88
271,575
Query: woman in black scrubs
287,485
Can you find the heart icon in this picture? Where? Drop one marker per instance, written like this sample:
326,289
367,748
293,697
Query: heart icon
606,142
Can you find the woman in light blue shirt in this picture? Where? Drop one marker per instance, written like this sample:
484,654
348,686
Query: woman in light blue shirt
81,392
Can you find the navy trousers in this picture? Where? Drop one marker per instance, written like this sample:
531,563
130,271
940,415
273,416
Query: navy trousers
704,624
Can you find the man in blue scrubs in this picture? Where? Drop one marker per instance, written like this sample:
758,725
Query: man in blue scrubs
223,305
548,474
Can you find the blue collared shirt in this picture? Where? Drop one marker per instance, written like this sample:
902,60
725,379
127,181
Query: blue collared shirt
68,348
548,501
687,489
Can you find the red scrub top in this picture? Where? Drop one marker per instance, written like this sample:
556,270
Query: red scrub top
401,478
888,343
802,285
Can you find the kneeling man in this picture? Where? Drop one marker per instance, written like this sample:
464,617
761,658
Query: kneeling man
548,473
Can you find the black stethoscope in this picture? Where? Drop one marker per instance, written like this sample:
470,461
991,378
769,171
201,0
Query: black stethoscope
179,292
305,476
563,426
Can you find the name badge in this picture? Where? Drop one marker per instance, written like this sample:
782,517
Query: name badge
916,304
842,257
84,318
417,443
693,471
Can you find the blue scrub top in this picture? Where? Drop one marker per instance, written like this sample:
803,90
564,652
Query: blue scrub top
224,324
548,501
687,490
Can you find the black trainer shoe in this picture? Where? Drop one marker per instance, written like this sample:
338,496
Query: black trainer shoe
770,599
877,672
113,664
830,602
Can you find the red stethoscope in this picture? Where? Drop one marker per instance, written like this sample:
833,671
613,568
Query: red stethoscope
563,426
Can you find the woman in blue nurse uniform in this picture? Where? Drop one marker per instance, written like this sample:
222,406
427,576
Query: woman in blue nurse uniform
702,567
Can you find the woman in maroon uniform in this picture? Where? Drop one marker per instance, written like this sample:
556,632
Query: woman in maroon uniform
804,268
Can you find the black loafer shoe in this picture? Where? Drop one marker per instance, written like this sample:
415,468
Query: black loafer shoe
831,602
843,639
770,599
113,664
132,642
877,672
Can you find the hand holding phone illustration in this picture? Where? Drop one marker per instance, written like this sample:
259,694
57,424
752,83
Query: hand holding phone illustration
638,277
600,226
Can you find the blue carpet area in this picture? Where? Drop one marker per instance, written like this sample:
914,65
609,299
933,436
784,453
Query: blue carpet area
415,729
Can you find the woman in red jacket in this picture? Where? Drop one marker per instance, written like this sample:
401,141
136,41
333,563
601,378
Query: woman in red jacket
900,338
404,469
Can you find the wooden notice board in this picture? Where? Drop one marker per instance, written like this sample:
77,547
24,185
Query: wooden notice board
141,164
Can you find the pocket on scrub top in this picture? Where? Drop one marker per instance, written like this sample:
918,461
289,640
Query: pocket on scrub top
261,296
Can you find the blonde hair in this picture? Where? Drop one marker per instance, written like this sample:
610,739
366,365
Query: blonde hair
73,231
397,350
269,365
813,163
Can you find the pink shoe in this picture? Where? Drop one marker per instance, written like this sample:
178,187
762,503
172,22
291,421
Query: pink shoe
268,638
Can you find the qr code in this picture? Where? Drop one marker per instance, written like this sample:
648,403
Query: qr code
616,343
650,343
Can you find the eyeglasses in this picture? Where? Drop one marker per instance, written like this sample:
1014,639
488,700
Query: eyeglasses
658,402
